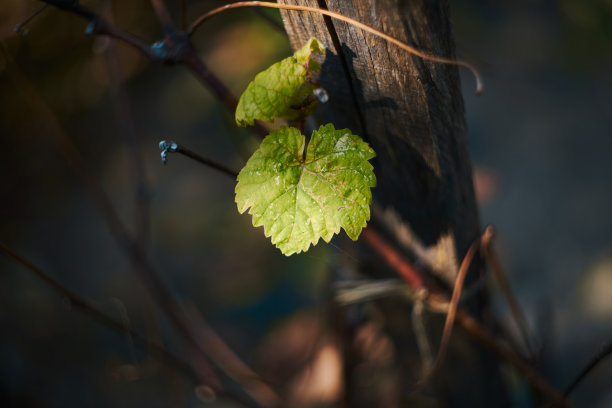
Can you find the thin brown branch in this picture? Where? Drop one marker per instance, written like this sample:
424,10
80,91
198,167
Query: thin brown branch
230,363
175,48
183,14
161,11
454,303
99,25
19,27
452,307
438,301
408,48
601,355
173,147
504,353
393,258
141,264
420,333
506,289
87,307
130,247
127,130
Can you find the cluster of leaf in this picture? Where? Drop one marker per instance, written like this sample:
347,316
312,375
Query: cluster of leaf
300,198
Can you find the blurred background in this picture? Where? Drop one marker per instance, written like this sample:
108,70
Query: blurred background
540,139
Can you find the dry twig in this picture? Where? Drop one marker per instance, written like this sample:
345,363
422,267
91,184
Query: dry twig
506,289
438,301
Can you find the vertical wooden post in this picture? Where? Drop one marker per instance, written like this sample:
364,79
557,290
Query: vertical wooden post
411,112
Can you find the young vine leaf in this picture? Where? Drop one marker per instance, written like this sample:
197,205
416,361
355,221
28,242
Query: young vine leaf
299,199
281,91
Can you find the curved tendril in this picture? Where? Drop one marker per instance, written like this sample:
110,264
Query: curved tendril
356,23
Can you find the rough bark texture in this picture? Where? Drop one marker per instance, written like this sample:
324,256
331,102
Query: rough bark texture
411,112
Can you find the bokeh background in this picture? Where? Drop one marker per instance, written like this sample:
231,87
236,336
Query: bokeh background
540,139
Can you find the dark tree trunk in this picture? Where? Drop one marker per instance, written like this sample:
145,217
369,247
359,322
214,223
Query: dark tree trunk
411,112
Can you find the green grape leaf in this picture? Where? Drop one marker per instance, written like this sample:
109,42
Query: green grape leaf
300,198
281,90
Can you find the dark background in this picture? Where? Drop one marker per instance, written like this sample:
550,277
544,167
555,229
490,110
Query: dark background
540,136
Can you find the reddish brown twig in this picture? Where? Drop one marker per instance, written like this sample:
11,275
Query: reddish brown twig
506,289
454,303
438,301
452,308
393,258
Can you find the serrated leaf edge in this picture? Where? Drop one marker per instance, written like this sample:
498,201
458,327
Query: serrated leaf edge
258,222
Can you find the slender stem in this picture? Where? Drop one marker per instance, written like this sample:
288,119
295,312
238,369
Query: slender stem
423,344
404,268
408,48
21,25
184,54
506,289
198,355
140,262
207,162
454,303
604,352
173,147
99,25
452,309
127,130
504,353
183,14
163,16
87,307
230,363
438,301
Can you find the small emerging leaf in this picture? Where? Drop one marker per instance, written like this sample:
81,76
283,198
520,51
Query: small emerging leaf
301,199
281,90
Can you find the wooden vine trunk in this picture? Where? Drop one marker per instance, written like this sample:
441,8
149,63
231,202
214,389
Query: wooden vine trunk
411,112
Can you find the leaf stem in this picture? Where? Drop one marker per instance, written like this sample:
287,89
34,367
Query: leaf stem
408,48
21,25
173,147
